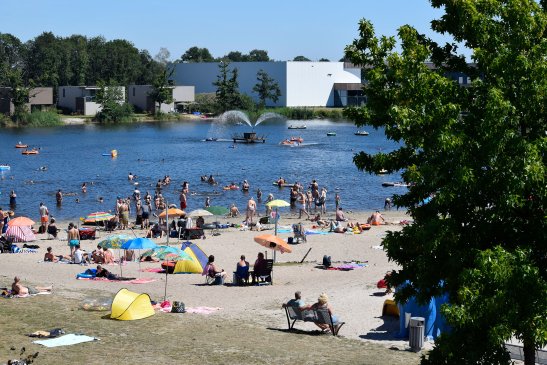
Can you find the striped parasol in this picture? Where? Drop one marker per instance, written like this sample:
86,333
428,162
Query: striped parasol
20,234
98,217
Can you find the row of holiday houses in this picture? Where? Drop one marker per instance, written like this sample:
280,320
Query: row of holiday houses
302,84
81,100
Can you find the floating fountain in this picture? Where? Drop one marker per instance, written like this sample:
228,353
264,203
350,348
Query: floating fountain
237,117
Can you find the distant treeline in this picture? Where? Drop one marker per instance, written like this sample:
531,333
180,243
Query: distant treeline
49,60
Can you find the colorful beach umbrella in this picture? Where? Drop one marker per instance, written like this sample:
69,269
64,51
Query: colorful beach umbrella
172,212
217,210
138,244
278,203
273,242
21,222
98,217
199,213
167,253
20,234
115,241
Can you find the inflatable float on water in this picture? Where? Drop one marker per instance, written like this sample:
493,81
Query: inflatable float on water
113,153
20,145
231,187
5,167
33,151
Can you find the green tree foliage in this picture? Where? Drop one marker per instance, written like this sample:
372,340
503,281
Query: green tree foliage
259,55
196,54
162,91
45,60
301,59
480,152
53,61
324,60
227,93
256,55
12,56
19,94
111,98
266,88
235,56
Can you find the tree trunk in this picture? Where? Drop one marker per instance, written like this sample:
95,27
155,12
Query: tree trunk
529,351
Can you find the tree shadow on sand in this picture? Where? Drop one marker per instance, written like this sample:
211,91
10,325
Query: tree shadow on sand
387,331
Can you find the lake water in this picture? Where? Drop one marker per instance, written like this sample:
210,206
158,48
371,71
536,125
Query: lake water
73,155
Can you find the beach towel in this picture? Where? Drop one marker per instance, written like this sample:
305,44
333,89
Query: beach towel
153,269
202,310
310,232
348,267
66,340
131,281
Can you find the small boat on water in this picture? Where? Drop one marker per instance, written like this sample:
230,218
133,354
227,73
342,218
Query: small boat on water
211,139
297,126
331,134
33,151
361,133
5,167
21,145
297,139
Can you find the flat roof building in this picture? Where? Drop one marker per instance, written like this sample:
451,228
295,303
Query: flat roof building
302,84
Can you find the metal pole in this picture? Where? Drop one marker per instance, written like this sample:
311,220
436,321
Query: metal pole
167,223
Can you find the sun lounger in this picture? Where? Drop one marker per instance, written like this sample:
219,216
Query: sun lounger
321,316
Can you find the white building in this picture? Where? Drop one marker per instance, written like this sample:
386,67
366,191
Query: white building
302,84
81,99
138,96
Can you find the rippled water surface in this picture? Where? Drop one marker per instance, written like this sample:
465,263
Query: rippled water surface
74,154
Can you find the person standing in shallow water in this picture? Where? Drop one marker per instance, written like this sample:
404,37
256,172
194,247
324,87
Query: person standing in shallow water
59,197
12,199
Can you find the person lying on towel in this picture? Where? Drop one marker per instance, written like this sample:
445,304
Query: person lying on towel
104,273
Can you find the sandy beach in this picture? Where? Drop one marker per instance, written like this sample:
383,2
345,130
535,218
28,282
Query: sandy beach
353,294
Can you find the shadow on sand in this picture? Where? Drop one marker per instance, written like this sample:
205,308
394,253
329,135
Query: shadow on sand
386,332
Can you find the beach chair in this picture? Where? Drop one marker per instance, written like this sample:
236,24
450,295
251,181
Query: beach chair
266,222
323,316
265,278
241,275
211,278
298,231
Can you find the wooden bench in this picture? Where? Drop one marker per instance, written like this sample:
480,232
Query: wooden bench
321,316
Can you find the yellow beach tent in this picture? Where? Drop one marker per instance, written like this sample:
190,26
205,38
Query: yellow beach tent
194,266
128,306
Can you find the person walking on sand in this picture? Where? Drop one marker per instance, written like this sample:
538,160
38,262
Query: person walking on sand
44,217
73,238
250,212
302,205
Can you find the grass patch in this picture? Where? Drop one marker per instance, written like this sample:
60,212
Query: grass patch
175,338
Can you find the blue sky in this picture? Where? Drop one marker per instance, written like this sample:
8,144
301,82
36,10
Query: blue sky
286,29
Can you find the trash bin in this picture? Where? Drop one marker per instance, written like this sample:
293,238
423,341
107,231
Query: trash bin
416,333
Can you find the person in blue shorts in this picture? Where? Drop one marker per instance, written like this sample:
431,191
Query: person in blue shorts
73,238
